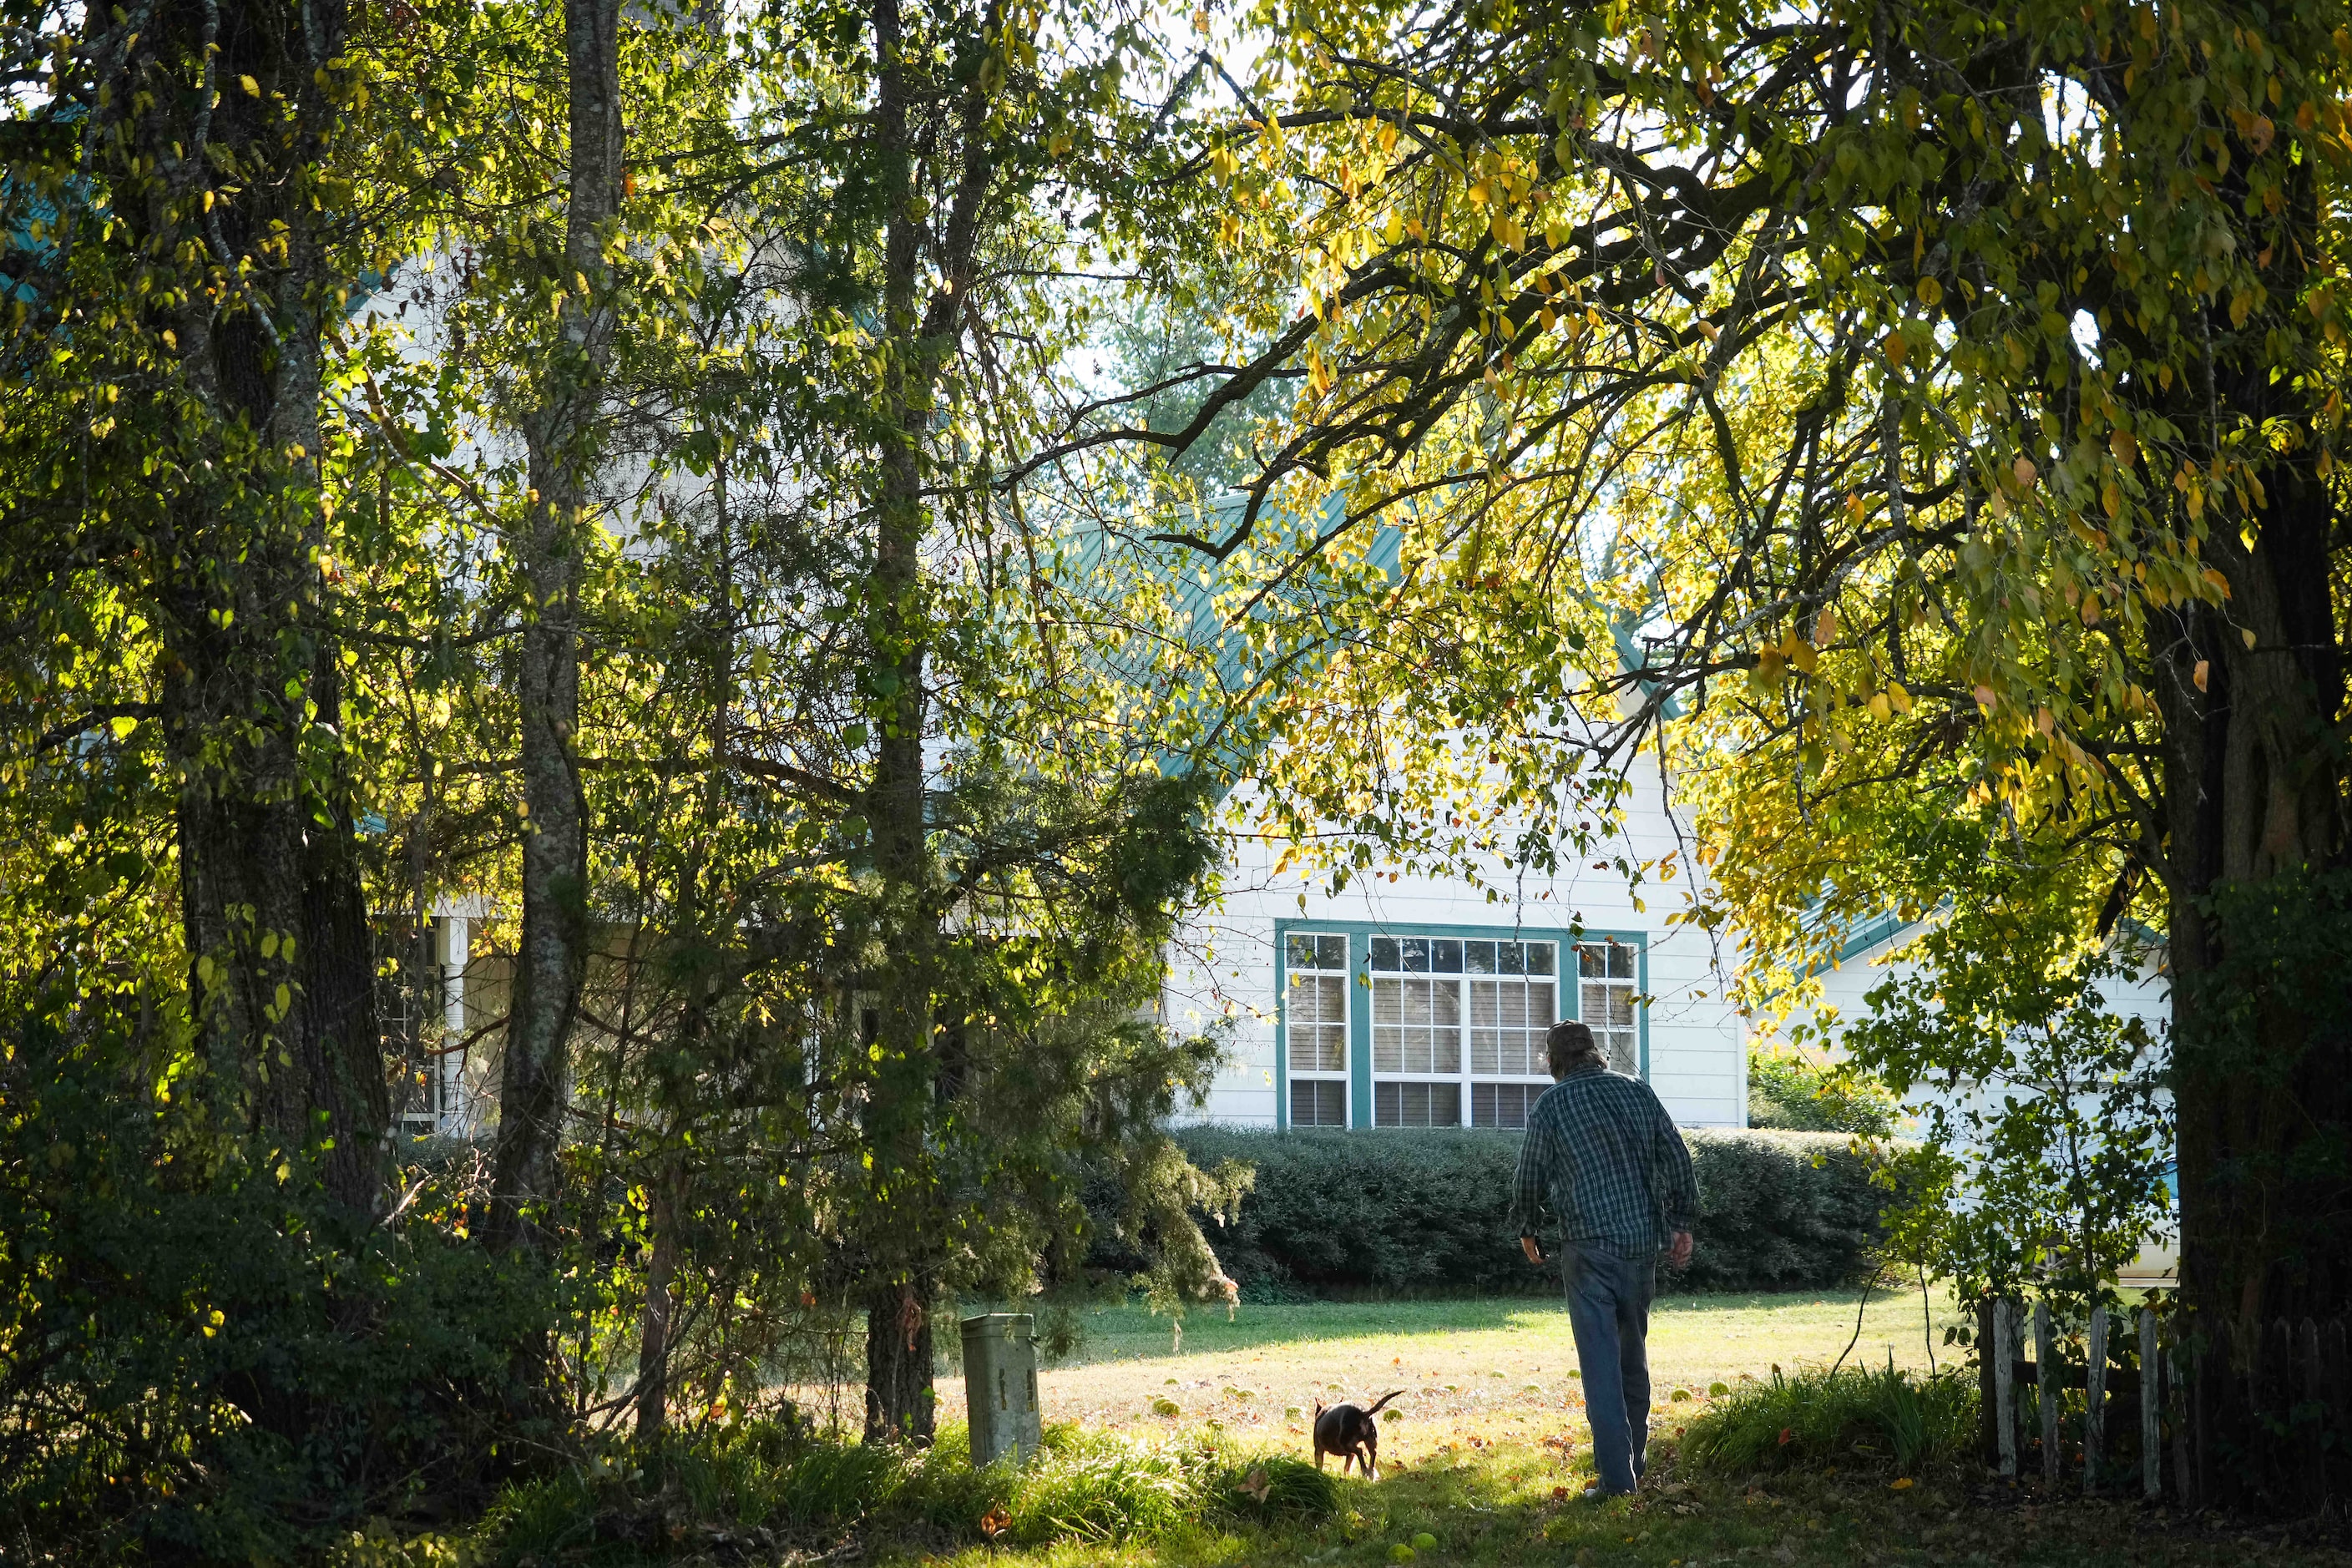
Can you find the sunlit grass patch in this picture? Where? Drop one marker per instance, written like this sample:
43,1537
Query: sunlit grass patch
1883,1417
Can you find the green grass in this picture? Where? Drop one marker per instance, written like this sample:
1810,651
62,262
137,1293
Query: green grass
1817,1419
1748,1328
1488,1467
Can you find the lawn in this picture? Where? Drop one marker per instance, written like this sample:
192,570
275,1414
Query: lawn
1484,1466
1489,1369
1488,1460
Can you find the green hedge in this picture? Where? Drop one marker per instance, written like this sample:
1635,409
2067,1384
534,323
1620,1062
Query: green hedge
1347,1213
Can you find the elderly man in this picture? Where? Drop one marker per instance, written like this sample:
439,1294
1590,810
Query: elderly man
1604,1155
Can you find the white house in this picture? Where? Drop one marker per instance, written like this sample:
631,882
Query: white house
1417,1003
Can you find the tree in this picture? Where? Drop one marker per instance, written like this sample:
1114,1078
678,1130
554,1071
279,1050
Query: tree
1937,405
183,261
560,428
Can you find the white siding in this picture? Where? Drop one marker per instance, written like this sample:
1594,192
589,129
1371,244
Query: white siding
1222,965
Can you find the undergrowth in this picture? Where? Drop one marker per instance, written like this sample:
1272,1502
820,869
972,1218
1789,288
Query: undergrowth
753,1485
1817,1418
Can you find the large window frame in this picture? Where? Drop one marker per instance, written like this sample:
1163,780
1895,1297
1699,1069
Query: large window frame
1372,1086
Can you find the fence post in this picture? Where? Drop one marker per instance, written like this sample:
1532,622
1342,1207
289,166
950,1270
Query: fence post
2045,1387
2338,1397
2004,1383
2314,1444
2095,1400
2188,1428
1988,1400
2151,1410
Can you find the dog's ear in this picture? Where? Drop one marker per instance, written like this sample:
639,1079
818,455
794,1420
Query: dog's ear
1319,1408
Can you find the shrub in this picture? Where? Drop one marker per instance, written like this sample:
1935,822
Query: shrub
1334,1213
1886,1418
203,1360
1788,1093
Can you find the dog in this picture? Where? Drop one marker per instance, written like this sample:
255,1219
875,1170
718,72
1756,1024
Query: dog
1350,1431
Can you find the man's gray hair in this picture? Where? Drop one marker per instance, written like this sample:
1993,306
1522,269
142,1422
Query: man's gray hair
1569,1045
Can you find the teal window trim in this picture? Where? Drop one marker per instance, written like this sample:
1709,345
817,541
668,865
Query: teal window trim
1360,934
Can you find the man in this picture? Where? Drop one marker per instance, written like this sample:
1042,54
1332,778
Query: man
1604,1155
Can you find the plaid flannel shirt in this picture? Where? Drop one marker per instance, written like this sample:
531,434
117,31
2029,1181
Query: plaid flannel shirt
1604,1155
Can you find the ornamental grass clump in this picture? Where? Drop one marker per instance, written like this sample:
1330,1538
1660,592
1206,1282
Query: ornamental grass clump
1887,1418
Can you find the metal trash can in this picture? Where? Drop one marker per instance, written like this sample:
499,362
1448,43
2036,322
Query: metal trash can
1000,1384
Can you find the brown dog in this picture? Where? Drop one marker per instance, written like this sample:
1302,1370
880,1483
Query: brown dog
1350,1431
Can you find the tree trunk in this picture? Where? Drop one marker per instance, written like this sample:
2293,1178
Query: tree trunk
654,1343
900,1272
272,907
904,1265
900,1402
2263,1060
561,435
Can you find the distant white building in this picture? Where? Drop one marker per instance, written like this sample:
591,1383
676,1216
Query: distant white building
1417,1003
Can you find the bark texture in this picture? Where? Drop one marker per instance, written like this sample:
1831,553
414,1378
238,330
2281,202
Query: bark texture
560,433
2252,695
272,904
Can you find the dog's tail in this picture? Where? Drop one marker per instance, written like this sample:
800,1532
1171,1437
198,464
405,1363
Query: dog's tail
1374,1408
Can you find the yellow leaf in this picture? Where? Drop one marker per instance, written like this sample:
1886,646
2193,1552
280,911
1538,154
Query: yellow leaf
1904,1484
2248,636
252,87
1900,698
1930,291
1825,627
2199,674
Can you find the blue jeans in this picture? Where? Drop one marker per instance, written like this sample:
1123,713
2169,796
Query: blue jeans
1609,1309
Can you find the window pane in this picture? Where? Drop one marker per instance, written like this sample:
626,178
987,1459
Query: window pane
1445,955
1606,1006
1299,952
1317,1025
1513,957
1416,954
1387,1019
1417,1104
1478,957
1318,1102
1384,953
1332,951
1502,1105
1539,957
1620,961
1591,959
1624,1048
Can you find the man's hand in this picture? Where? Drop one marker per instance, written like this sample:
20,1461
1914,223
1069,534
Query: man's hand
1528,1244
1678,1252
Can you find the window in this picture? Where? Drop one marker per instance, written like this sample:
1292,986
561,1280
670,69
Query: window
1314,1026
1607,980
1503,1104
1459,1024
